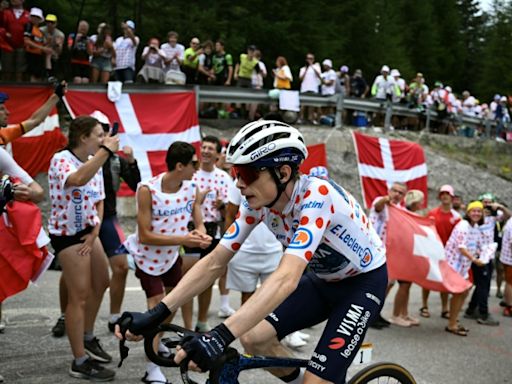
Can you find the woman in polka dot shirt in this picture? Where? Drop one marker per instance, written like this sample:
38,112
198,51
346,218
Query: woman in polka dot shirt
321,226
76,193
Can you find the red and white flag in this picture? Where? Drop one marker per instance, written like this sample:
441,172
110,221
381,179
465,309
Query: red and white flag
381,162
148,122
34,150
317,155
415,253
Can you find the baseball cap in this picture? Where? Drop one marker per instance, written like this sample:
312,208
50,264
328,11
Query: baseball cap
327,62
37,12
130,24
344,68
447,188
413,196
51,17
384,68
3,97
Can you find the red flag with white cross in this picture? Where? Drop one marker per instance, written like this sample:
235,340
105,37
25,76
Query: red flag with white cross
415,253
381,162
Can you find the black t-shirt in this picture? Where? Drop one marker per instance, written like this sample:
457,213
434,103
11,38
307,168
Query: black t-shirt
128,172
357,86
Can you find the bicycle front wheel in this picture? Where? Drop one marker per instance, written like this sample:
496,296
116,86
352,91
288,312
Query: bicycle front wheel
383,373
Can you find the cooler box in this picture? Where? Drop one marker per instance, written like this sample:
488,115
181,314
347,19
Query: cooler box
360,120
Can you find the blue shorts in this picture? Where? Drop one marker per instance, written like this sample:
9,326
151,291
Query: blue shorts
112,236
349,306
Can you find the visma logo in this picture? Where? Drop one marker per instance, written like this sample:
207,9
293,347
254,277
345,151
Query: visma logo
337,343
301,239
367,258
232,231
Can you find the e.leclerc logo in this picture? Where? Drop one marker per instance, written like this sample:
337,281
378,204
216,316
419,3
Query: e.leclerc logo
301,239
232,231
367,258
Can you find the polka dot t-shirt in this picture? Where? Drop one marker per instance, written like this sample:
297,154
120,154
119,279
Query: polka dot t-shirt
72,208
218,183
322,224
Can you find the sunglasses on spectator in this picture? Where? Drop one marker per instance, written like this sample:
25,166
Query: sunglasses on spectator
247,174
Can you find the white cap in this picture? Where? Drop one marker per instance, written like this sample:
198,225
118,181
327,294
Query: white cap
448,88
503,98
384,68
395,72
37,12
327,62
101,117
130,24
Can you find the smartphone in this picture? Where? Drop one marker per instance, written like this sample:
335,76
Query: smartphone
114,129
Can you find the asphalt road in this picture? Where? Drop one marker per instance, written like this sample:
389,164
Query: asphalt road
29,353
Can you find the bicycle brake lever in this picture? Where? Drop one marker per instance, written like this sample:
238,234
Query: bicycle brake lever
124,323
184,372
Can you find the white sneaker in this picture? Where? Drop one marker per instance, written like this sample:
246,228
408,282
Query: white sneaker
225,312
303,336
294,341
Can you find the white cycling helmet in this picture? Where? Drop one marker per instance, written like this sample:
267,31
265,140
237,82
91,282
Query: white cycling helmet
267,143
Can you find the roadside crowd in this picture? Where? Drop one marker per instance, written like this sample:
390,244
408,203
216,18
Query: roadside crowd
32,49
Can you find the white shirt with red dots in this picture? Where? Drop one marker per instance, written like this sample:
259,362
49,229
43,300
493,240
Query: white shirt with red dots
170,215
218,182
322,224
72,208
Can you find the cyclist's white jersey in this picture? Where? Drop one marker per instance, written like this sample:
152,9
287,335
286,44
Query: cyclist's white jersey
322,224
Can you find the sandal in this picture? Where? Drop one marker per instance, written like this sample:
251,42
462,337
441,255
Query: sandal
445,314
424,312
459,331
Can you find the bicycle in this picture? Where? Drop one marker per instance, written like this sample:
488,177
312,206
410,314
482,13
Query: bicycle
233,362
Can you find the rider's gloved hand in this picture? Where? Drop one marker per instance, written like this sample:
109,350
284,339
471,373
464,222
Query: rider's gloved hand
206,348
138,323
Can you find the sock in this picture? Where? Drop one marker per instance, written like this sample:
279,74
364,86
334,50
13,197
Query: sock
88,336
154,373
296,377
81,360
224,301
163,349
201,325
114,317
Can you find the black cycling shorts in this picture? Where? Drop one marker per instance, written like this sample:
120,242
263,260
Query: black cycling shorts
349,306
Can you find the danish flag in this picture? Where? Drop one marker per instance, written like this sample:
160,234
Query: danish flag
148,122
381,162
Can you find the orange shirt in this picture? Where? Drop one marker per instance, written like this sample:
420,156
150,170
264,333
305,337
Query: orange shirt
11,133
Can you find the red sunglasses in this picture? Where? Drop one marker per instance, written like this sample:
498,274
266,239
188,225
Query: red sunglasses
248,174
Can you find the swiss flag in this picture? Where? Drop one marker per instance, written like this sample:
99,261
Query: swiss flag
415,253
317,155
381,162
34,149
148,122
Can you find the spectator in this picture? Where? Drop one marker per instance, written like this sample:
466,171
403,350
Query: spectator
103,54
76,185
458,204
282,75
445,219
506,260
213,184
328,78
468,104
259,73
206,73
379,217
10,132
191,61
384,86
222,65
13,20
154,62
55,40
462,250
418,92
398,97
243,69
413,202
358,85
126,49
502,117
310,77
343,84
80,46
174,52
35,46
165,204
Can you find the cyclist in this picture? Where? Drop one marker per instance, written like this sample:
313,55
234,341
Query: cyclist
321,225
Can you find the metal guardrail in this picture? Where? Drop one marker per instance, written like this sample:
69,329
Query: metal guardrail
219,94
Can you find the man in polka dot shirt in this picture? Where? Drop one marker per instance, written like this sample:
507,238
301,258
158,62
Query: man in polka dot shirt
321,226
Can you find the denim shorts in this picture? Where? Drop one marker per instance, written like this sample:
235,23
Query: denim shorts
103,64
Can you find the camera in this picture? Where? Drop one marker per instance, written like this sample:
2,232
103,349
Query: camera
6,192
490,211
